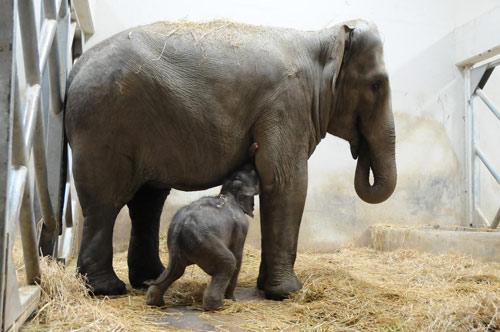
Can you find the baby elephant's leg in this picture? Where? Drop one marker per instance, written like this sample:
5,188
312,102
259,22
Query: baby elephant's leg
237,250
157,288
219,262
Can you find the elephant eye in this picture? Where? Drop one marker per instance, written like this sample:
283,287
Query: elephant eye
376,86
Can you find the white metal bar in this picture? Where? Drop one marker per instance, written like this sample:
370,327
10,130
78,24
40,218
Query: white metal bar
469,153
6,89
29,297
41,179
482,217
30,119
29,240
494,63
16,187
51,9
29,40
480,93
23,121
17,144
48,33
17,184
496,221
84,16
487,163
12,302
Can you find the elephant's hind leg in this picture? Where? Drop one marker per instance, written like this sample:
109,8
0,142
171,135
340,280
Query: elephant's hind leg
143,252
103,181
95,260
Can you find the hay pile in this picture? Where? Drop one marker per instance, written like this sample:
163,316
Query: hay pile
351,289
219,29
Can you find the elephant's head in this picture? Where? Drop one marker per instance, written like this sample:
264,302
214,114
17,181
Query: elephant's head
361,110
243,185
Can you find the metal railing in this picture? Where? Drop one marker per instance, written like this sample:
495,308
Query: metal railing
476,79
37,43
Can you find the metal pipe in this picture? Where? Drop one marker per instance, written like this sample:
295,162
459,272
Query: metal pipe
494,63
30,119
63,8
42,184
488,102
496,221
487,163
6,71
18,151
469,153
56,89
28,239
481,216
15,192
49,55
50,8
48,33
29,40
20,208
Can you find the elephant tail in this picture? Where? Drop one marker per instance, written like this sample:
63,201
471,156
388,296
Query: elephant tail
175,269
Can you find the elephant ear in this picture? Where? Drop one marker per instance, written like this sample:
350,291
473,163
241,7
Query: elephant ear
334,57
343,48
352,24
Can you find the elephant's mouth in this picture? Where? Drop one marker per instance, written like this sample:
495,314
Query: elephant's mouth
354,149
354,142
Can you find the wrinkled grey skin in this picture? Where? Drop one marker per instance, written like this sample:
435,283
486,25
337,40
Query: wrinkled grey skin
163,106
210,233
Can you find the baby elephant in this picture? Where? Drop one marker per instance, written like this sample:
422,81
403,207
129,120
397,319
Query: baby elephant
210,232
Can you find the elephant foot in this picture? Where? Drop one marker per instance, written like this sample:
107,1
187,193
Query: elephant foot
230,296
140,277
108,284
211,303
281,289
154,296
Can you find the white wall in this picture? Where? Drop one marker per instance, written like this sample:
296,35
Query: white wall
421,52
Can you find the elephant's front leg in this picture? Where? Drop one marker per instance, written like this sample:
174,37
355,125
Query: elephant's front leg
282,199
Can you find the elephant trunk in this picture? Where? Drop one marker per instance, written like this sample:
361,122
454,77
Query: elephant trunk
382,162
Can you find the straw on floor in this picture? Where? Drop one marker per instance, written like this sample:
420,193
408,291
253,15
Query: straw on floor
350,289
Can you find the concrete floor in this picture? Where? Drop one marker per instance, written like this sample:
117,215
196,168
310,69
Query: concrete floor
191,318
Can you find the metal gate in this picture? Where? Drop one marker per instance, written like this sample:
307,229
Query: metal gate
476,79
38,41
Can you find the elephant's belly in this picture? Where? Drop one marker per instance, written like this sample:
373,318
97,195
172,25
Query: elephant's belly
199,166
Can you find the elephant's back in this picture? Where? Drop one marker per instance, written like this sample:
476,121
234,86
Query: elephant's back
208,215
211,71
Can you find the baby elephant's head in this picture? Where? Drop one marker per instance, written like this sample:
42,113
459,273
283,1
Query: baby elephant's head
243,185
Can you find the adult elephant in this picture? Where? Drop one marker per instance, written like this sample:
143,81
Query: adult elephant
177,106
